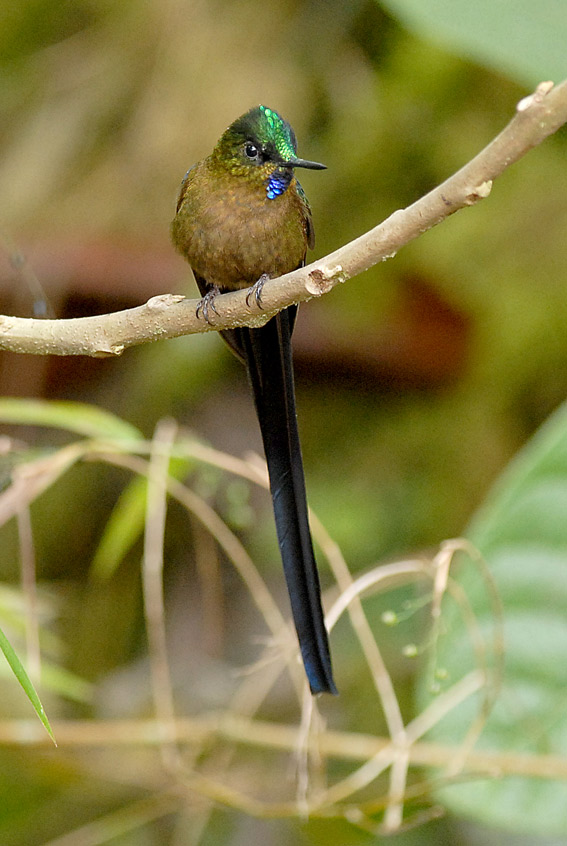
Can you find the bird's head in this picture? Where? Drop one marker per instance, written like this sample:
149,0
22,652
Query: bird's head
261,146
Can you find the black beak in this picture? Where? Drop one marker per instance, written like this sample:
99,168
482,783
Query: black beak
304,163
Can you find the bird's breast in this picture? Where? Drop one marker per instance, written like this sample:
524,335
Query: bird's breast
231,233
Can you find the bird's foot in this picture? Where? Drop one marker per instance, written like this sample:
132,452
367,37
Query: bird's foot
207,304
255,291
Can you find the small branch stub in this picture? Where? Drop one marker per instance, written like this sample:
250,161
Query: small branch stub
536,97
320,280
112,352
479,193
164,301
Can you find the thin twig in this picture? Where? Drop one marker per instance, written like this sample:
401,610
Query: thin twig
152,572
398,573
29,590
123,821
235,551
483,648
168,316
227,726
380,675
376,764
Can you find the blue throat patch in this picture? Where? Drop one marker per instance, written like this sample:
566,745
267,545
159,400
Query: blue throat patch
278,182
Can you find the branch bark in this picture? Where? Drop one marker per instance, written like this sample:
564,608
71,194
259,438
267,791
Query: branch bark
168,316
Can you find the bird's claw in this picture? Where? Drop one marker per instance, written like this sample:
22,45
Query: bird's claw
207,304
256,291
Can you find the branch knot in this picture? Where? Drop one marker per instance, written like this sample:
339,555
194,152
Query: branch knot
322,279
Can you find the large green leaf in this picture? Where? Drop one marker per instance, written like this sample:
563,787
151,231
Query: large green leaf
522,534
522,39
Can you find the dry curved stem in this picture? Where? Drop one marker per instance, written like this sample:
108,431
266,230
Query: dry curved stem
183,741
489,653
168,316
152,575
280,630
397,755
381,677
29,590
235,728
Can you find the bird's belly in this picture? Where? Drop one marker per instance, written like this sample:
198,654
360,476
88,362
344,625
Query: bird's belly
234,243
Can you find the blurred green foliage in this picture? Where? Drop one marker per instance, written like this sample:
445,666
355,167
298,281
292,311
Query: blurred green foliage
521,532
104,106
517,37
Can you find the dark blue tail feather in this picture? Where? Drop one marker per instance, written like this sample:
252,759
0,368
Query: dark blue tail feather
268,357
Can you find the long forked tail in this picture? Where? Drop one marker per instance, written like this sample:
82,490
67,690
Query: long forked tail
268,357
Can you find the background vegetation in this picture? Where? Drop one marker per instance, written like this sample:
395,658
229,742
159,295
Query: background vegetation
417,383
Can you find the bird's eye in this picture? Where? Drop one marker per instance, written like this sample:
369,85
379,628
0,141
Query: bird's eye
251,150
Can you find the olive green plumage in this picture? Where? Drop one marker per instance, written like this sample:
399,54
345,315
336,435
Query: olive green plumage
227,226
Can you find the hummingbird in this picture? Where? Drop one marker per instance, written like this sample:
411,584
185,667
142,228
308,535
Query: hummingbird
242,217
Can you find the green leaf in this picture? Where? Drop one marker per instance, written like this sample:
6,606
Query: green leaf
25,682
65,683
522,39
122,530
126,523
522,534
60,681
81,418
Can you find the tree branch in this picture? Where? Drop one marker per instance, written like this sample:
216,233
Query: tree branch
167,316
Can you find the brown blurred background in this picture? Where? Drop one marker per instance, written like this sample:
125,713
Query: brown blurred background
416,382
